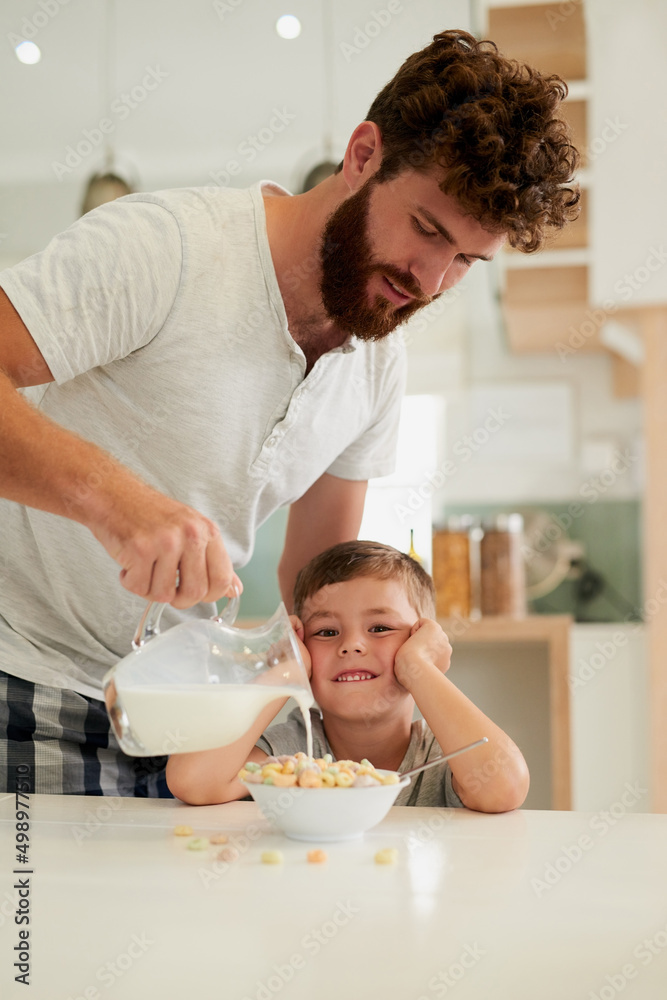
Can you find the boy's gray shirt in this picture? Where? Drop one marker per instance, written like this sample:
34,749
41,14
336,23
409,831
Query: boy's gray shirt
430,788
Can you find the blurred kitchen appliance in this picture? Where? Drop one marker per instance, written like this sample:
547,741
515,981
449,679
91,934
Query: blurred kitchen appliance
549,555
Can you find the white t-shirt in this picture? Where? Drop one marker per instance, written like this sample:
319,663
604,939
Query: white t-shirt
161,319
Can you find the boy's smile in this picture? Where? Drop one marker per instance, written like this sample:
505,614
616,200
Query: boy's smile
354,675
353,631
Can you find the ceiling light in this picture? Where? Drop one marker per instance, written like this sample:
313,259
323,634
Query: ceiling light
28,53
288,26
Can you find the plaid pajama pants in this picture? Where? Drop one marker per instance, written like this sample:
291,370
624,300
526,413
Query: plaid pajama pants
62,743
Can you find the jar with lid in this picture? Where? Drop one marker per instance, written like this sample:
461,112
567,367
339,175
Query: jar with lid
455,561
503,576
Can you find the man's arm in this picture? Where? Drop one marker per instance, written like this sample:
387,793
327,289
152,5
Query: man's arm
490,778
328,513
43,465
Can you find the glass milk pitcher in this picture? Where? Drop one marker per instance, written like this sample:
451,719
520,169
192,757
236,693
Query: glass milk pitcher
201,684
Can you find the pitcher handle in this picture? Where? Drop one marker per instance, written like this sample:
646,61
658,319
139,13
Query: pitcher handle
149,626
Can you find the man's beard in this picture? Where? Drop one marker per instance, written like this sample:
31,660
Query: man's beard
347,262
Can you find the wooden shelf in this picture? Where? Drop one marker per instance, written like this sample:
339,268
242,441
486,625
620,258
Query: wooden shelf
542,35
542,305
546,295
575,112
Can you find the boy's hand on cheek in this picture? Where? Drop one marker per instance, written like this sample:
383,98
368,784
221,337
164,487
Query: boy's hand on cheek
427,646
299,631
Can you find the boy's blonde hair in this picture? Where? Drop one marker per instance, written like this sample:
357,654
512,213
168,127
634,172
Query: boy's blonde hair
349,560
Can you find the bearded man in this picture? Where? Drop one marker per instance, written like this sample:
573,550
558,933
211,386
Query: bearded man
194,359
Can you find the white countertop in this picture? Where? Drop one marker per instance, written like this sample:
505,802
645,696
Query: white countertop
534,905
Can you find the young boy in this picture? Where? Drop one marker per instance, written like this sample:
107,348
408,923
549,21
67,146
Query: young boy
364,617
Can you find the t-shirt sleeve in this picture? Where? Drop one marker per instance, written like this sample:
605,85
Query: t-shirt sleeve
282,737
451,797
290,736
373,453
432,787
102,288
263,744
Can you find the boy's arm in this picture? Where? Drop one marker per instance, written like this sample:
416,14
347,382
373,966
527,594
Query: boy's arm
490,778
210,776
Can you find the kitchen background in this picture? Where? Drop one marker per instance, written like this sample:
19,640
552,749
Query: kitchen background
523,383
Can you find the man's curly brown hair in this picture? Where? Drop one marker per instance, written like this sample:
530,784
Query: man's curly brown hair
492,124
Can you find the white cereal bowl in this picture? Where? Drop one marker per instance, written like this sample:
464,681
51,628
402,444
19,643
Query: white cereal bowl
325,814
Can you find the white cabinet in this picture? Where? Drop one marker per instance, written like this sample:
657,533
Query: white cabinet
628,151
609,713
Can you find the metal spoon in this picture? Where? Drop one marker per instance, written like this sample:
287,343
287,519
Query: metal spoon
439,760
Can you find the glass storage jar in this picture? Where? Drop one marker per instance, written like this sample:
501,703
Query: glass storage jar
503,576
455,565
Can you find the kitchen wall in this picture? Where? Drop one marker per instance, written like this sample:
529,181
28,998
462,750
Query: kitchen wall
230,102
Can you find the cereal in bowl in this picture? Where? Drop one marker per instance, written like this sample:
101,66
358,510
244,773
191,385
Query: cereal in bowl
300,770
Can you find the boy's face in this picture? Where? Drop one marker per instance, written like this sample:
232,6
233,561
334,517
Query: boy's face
353,631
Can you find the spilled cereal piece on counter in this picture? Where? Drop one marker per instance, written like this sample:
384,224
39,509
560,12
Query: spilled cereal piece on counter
317,857
198,844
228,854
182,831
272,857
387,856
219,838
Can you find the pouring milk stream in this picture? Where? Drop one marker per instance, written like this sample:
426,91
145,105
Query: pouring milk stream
202,684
